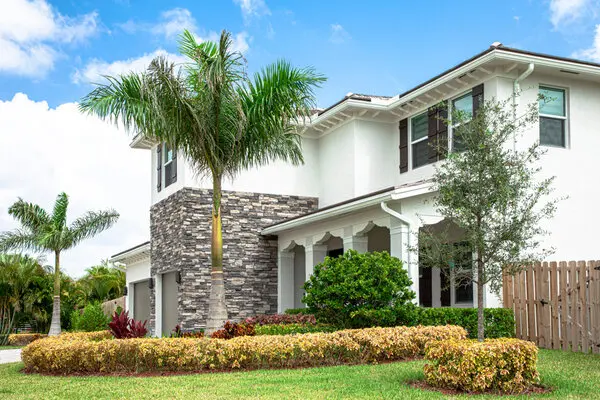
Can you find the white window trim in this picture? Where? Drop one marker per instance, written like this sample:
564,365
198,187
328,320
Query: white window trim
426,137
452,125
564,118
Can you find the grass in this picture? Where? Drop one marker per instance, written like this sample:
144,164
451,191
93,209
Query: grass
10,347
572,375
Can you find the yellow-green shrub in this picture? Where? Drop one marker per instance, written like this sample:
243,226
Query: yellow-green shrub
23,339
507,365
78,354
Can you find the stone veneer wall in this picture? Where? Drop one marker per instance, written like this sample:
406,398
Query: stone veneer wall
180,231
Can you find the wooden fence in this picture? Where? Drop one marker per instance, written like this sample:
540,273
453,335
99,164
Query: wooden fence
109,307
557,305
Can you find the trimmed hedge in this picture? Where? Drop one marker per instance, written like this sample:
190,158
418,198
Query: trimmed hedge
294,311
506,365
277,319
81,355
499,322
292,329
23,339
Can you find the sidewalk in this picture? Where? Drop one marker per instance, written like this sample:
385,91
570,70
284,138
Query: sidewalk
10,356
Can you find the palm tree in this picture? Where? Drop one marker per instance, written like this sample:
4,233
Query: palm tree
222,121
41,231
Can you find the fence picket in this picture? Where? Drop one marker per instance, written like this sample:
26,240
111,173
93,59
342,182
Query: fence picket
530,298
564,306
554,304
595,306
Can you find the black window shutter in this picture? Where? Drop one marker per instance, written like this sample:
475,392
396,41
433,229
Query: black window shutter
404,145
159,167
174,167
432,131
477,94
442,131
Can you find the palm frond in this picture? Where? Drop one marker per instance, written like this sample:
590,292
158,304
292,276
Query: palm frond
31,216
90,224
21,240
59,214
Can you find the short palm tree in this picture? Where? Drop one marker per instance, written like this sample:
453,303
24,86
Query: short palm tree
42,231
222,121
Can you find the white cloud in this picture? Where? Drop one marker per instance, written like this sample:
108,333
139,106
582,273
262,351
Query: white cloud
49,150
95,69
592,53
338,34
252,9
174,21
566,11
31,31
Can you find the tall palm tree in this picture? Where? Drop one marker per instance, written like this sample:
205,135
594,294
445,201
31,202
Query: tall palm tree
222,121
42,231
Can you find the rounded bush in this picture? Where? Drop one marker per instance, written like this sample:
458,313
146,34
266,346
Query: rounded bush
506,365
23,339
359,290
91,319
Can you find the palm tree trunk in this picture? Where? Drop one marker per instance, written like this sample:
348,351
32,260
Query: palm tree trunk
55,324
217,310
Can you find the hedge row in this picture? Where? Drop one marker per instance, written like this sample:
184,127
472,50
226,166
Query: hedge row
277,319
23,339
499,322
292,329
506,365
81,355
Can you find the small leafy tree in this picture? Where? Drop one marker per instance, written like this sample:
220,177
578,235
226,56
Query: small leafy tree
42,231
358,290
493,198
90,319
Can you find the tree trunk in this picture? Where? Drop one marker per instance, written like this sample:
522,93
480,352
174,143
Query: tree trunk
480,293
217,310
55,324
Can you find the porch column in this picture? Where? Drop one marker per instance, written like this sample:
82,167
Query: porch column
285,281
400,237
358,243
314,254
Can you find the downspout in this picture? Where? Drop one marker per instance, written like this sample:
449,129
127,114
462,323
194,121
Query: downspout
516,92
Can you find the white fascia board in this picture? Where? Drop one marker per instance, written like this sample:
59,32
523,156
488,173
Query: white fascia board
135,255
546,62
140,142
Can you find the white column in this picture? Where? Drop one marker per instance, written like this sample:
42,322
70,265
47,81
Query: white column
285,281
400,241
436,287
315,254
358,243
129,306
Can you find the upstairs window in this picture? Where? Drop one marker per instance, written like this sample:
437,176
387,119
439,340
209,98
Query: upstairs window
464,106
553,117
419,142
166,166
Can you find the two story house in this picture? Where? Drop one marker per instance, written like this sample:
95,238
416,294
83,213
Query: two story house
364,186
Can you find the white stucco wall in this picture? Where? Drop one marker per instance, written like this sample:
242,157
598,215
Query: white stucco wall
136,272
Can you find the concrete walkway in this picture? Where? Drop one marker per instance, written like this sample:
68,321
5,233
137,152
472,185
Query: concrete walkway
10,356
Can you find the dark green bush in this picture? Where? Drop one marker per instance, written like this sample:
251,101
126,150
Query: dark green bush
499,322
91,319
290,329
360,290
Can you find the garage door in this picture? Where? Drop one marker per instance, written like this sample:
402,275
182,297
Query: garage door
141,301
169,303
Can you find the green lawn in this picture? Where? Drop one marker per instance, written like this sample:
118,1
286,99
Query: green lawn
574,376
10,347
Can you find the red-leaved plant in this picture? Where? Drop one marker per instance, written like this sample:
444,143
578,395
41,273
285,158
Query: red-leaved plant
123,327
231,330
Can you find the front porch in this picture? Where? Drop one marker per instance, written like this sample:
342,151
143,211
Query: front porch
388,221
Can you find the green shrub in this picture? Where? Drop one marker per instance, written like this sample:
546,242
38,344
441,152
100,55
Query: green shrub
292,329
358,290
507,365
23,339
296,311
499,322
91,319
77,354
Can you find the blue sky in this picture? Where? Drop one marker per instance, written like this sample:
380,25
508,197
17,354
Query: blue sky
51,49
361,47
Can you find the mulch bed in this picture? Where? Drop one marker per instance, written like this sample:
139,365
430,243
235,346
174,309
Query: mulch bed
536,389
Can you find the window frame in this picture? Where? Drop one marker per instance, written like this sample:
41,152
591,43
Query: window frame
452,124
164,164
564,118
411,158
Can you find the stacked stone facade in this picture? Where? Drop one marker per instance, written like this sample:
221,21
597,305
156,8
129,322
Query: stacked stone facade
180,231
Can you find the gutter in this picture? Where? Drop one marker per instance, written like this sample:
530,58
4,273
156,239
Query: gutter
408,223
516,92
